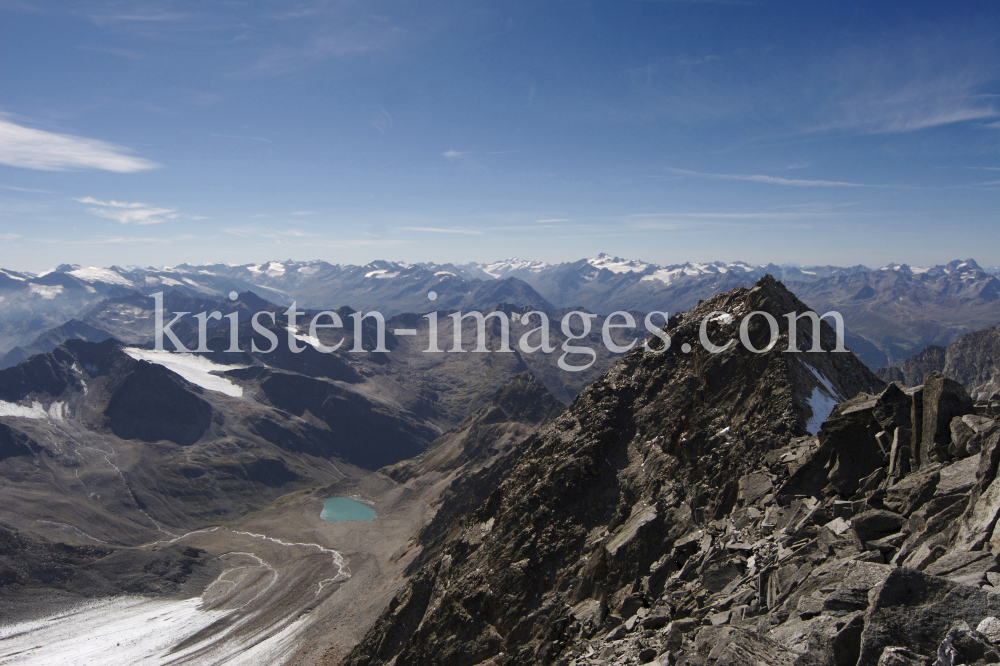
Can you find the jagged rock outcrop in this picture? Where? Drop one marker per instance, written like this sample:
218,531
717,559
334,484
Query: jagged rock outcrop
973,360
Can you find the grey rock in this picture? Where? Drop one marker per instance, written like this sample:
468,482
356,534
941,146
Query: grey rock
916,424
901,656
979,520
720,618
963,645
744,648
990,628
969,567
852,592
969,433
899,454
958,477
657,619
753,487
912,491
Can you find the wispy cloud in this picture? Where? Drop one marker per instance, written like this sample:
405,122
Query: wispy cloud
455,154
555,219
9,237
773,180
441,230
129,213
24,189
301,213
29,148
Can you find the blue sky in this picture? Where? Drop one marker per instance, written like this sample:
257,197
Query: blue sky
154,133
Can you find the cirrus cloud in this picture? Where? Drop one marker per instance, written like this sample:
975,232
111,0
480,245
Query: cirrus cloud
125,212
29,148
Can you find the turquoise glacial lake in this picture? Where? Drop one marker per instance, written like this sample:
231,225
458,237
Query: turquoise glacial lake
337,509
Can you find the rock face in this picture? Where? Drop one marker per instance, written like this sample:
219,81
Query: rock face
679,513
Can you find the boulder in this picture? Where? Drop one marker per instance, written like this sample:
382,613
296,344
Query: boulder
958,477
990,628
916,610
893,408
943,400
969,433
852,592
876,524
748,649
849,435
912,492
901,656
968,567
753,487
963,645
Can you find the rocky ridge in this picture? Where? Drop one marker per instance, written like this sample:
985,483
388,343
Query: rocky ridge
651,453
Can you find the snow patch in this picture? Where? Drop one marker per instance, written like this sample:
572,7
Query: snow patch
12,277
381,273
47,292
36,411
195,369
822,401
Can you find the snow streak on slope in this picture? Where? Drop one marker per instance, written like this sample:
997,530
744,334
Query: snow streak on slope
196,369
36,411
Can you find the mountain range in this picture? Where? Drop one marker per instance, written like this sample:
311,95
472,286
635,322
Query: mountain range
891,312
680,507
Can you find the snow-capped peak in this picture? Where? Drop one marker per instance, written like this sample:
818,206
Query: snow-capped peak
92,274
498,269
617,265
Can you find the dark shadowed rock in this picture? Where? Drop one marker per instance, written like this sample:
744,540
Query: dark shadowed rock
915,610
876,524
849,433
943,400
